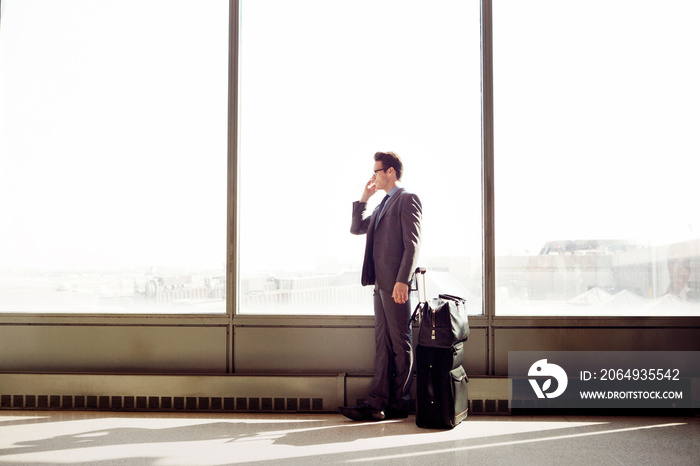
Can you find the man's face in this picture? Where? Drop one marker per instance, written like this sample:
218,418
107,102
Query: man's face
380,176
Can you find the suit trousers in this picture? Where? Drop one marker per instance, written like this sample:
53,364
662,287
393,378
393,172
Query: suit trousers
393,366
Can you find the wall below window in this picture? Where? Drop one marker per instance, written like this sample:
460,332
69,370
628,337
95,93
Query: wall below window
113,348
302,345
299,364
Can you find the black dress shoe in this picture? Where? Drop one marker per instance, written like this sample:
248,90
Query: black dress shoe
362,412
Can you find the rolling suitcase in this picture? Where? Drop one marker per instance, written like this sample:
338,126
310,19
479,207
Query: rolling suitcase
441,383
441,390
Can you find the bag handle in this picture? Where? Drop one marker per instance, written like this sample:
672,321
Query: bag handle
420,271
451,297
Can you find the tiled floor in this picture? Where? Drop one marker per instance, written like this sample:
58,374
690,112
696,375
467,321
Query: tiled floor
105,438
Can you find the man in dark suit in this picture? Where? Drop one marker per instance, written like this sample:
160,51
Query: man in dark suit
393,240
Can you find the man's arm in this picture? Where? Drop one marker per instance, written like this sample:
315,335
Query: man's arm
360,224
411,216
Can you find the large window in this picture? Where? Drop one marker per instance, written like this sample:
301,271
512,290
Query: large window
323,86
596,117
113,130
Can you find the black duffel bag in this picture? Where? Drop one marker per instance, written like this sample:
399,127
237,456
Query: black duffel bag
443,320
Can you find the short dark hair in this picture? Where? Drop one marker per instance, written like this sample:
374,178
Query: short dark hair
390,160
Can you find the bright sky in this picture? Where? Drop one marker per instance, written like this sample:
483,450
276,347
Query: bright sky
113,126
324,86
113,133
613,150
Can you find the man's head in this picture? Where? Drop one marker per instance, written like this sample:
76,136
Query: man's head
390,160
387,170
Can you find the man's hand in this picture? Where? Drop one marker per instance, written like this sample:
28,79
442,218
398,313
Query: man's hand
370,189
400,293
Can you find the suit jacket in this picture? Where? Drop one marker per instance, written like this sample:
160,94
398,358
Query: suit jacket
391,253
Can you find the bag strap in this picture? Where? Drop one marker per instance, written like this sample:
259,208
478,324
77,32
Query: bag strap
416,315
